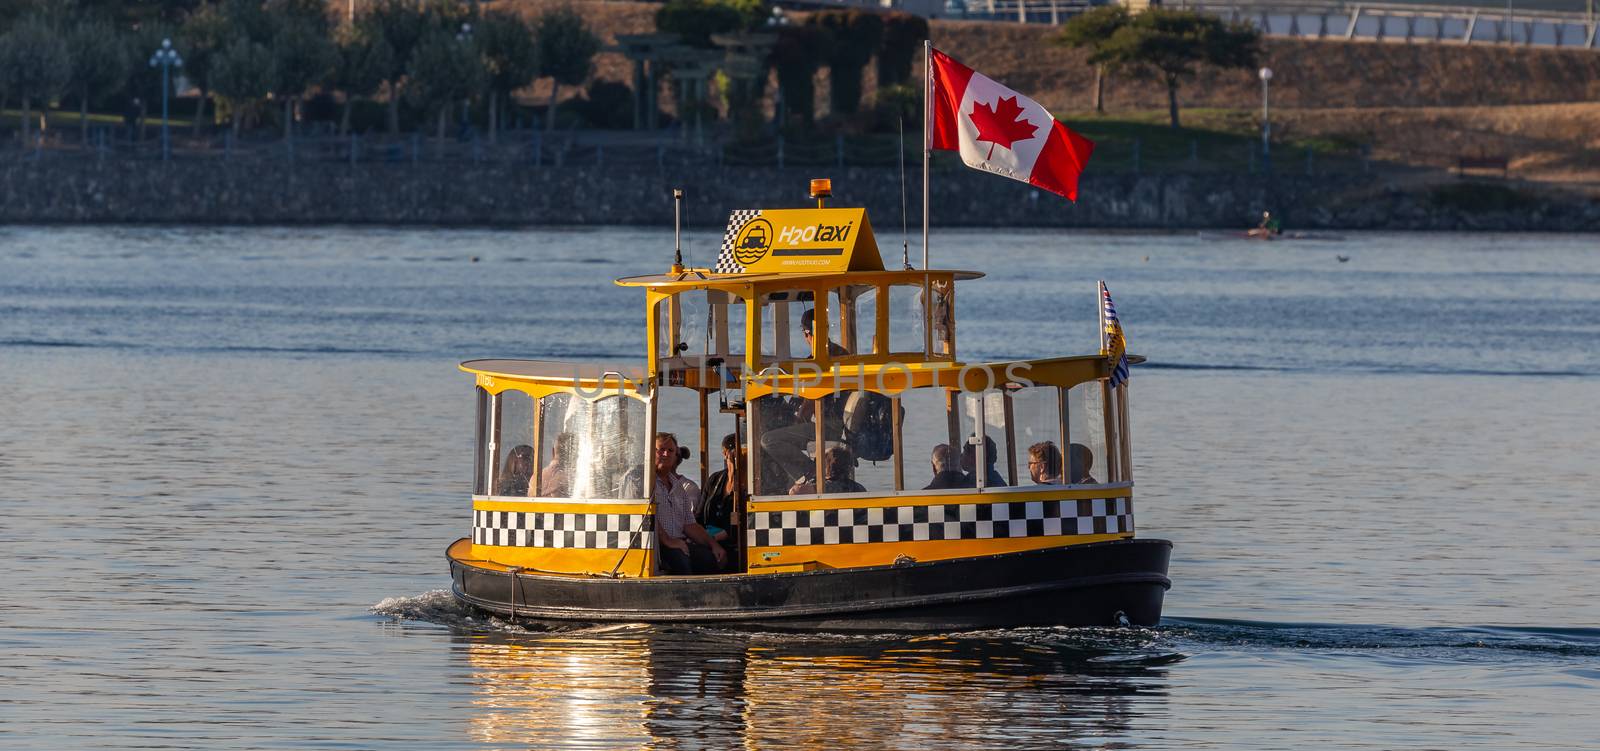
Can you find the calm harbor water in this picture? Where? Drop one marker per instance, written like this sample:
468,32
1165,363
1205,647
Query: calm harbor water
230,461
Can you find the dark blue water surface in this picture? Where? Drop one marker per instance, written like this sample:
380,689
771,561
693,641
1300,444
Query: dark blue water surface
230,461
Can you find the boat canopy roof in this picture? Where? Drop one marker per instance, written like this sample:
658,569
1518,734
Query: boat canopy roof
705,278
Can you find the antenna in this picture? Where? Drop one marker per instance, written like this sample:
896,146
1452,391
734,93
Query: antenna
677,230
905,231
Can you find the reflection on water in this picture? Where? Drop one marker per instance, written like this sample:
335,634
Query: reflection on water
701,688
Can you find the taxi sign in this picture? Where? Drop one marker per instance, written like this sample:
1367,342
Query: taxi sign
777,241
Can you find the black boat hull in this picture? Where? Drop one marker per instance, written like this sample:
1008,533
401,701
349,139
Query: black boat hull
1097,584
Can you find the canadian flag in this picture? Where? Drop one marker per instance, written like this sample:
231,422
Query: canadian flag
998,130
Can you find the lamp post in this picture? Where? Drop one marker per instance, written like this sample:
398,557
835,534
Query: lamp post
1266,122
465,37
167,58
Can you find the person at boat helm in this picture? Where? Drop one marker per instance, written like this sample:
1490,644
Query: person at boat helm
684,545
1044,463
1082,461
840,466
518,470
808,321
969,463
945,474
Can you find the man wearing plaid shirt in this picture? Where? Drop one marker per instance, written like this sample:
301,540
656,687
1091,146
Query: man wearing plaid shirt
684,545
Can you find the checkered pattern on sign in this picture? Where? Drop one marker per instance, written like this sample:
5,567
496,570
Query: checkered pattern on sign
726,262
965,521
537,529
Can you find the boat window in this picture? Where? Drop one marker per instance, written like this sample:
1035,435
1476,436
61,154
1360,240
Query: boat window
591,448
1034,416
480,464
943,316
932,436
678,412
784,451
869,421
908,318
781,313
853,318
515,464
727,326
694,320
1087,459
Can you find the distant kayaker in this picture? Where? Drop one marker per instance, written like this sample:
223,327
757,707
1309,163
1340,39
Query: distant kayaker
1269,226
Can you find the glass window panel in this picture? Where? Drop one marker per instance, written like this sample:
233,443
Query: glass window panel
853,314
869,435
516,444
593,449
943,316
906,318
780,325
769,414
678,413
931,441
480,474
1086,431
1036,423
694,311
992,458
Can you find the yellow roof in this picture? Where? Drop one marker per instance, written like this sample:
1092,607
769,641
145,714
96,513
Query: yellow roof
692,278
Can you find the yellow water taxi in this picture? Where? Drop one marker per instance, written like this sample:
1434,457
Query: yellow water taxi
952,495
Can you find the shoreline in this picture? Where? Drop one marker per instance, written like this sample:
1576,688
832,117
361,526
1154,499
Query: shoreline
444,194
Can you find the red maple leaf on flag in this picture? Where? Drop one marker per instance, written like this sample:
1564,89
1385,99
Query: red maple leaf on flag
1001,125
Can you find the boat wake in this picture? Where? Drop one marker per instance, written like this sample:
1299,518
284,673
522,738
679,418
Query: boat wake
1519,642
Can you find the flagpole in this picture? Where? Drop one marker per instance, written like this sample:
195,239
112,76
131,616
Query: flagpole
927,138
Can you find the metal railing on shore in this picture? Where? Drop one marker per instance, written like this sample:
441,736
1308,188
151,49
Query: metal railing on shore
1336,19
540,150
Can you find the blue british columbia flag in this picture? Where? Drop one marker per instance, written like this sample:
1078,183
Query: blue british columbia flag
1114,346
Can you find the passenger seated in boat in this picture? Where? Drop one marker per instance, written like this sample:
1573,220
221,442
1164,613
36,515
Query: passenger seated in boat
841,468
969,463
945,474
786,446
518,471
1082,461
1044,463
685,546
553,478
719,508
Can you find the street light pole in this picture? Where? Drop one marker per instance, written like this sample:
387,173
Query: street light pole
167,58
1266,122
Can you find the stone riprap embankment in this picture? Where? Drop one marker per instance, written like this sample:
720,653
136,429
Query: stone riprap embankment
91,191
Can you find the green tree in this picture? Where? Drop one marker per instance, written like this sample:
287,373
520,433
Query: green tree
903,35
365,60
566,53
509,57
1093,31
202,35
856,35
445,69
797,55
303,56
242,76
1167,45
35,66
402,24
100,64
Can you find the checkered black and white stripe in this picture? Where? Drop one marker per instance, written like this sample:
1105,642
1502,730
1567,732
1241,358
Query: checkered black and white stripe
532,529
965,521
726,262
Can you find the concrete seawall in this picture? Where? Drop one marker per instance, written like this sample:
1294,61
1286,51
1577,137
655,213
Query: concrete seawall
116,190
